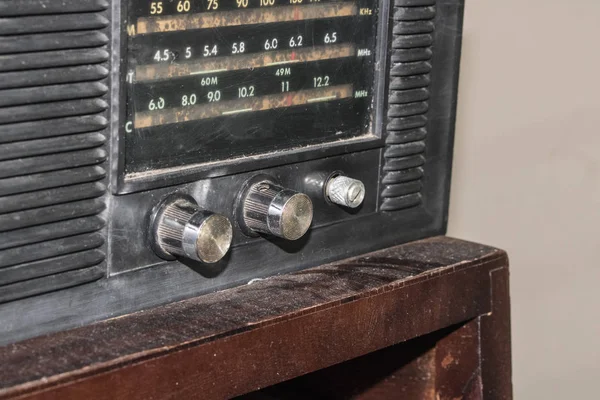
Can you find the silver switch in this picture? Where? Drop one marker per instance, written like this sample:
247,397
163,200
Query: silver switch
345,191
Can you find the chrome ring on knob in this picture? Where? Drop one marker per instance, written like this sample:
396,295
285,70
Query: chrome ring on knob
266,207
181,229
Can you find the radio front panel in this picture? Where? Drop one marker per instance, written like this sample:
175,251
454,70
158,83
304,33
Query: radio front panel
212,86
151,151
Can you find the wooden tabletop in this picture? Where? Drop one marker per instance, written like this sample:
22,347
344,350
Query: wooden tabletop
239,340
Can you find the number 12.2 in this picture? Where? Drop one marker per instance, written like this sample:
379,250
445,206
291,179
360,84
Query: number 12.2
320,81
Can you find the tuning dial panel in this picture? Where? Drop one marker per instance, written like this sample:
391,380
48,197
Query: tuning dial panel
345,191
182,229
271,209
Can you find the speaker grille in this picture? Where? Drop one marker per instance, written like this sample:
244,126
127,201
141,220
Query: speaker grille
53,130
411,52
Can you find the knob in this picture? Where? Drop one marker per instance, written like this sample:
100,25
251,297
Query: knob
345,191
181,228
272,209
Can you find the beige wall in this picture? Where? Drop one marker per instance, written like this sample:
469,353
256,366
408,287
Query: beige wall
527,179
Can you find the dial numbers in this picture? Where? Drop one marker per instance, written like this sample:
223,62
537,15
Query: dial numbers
216,76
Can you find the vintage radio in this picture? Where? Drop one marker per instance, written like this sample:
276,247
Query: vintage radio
151,151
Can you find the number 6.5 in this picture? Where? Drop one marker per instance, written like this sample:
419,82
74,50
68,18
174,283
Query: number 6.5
330,38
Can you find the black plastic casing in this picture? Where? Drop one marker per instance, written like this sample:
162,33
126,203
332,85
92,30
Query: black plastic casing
398,206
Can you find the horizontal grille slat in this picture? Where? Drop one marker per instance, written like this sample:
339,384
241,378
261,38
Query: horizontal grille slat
53,162
393,177
399,124
54,213
52,145
410,55
38,269
403,150
48,232
408,96
409,82
412,27
51,23
51,128
396,164
32,7
51,248
408,109
400,203
53,41
411,41
17,62
406,136
406,69
69,108
31,183
48,197
402,189
49,283
414,3
14,97
413,13
53,76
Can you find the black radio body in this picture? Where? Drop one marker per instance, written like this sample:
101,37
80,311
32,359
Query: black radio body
151,151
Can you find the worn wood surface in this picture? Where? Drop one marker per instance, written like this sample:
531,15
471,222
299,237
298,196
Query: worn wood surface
457,364
239,340
496,348
443,365
402,371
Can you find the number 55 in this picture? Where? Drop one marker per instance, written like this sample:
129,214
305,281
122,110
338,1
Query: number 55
156,8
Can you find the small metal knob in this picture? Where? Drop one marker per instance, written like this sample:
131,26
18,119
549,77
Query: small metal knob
181,228
272,209
345,191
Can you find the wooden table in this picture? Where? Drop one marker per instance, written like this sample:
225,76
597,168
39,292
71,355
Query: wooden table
424,320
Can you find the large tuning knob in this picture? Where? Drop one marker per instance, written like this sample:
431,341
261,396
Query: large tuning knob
269,208
181,229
